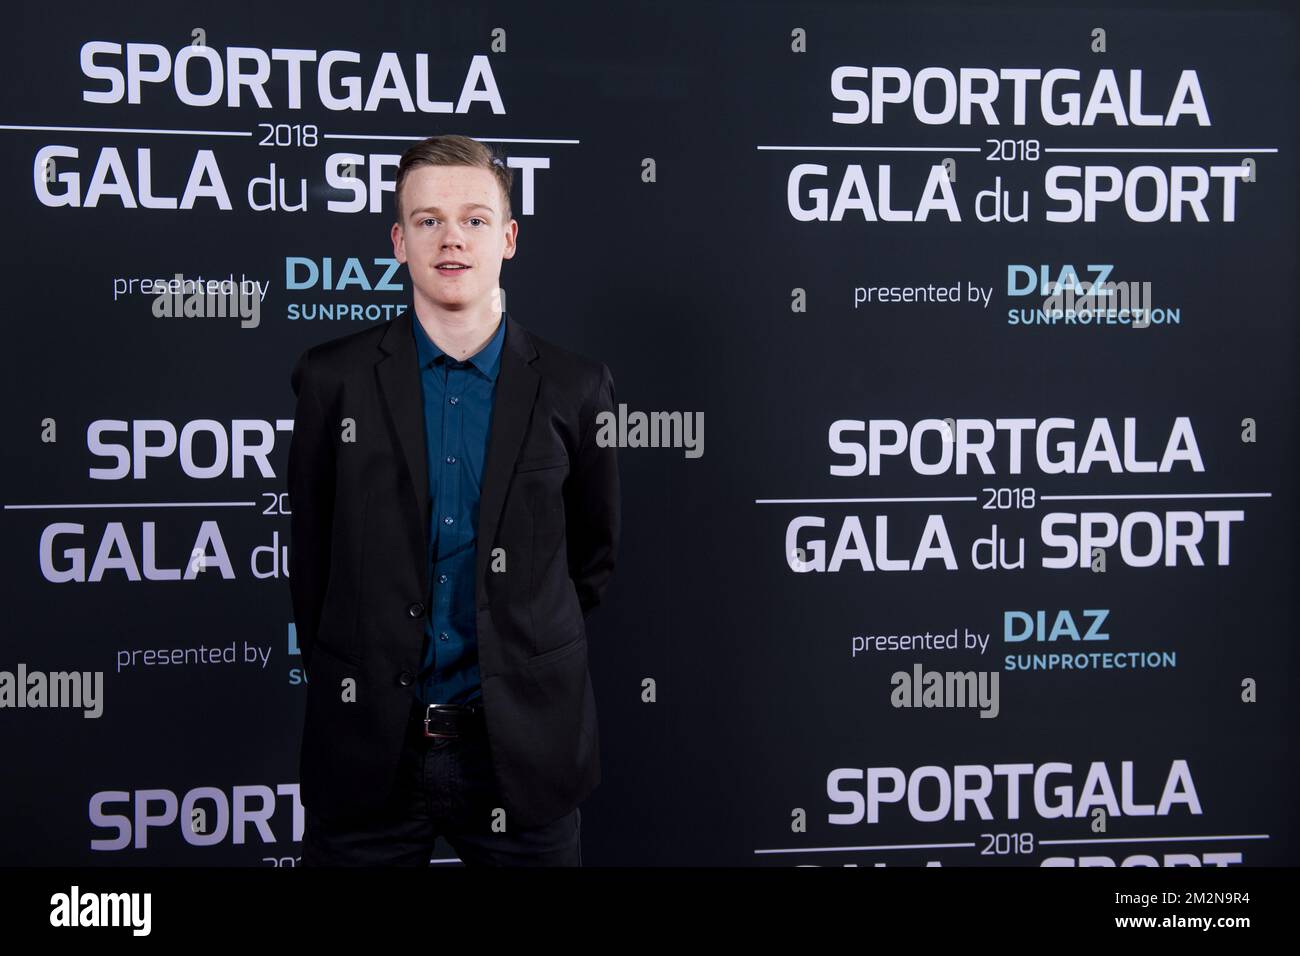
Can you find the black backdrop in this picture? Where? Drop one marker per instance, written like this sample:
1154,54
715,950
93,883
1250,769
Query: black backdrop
660,239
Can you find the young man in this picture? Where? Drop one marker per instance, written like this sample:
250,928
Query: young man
454,523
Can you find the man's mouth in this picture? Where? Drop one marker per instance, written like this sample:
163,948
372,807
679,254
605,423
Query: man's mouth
452,267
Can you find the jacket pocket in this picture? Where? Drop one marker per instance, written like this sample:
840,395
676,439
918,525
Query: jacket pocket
537,464
555,654
352,660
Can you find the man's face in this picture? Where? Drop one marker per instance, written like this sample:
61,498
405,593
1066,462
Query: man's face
454,214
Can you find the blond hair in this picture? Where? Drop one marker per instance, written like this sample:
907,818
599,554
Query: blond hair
453,150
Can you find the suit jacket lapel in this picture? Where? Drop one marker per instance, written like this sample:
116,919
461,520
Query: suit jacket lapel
512,406
399,382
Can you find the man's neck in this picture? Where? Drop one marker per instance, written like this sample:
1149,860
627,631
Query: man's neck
460,334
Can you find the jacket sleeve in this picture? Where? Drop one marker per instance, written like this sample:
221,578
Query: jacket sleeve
591,503
311,501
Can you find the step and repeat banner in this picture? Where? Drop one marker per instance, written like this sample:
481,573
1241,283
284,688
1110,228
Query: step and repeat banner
987,314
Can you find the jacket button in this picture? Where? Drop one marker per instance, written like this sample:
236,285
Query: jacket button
416,609
405,678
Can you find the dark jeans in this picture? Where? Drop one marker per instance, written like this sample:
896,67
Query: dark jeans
445,787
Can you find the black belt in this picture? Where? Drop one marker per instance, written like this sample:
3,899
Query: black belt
448,721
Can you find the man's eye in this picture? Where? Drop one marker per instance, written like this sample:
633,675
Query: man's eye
477,219
423,221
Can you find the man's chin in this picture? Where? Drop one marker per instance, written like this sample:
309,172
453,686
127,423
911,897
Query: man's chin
438,298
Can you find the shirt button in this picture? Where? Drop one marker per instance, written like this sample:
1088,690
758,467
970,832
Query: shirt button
451,459
405,678
443,635
442,579
447,520
454,400
416,609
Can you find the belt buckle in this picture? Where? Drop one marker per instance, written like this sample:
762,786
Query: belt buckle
450,708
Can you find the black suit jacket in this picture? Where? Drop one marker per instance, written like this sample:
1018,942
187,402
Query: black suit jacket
359,565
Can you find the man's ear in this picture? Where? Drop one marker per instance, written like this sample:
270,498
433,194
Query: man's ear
398,236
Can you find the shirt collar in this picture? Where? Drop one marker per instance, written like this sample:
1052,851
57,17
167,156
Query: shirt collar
487,359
